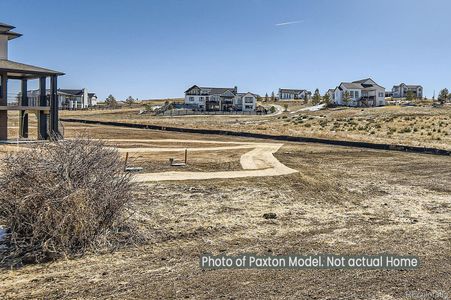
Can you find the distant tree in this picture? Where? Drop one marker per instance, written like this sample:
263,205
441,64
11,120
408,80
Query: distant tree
346,98
266,97
111,102
130,101
259,99
316,99
327,100
443,96
273,97
410,96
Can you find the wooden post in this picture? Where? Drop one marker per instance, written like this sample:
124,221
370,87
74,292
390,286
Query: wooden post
54,130
4,102
42,116
186,156
23,115
126,160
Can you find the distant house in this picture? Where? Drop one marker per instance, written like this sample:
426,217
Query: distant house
400,91
68,99
290,94
219,99
331,93
365,92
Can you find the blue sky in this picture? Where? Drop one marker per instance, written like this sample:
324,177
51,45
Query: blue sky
158,48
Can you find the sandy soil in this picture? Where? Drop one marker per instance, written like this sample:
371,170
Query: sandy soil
342,201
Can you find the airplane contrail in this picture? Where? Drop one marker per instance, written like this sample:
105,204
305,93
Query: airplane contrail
289,23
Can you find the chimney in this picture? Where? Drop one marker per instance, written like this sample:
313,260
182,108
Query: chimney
235,88
3,46
5,36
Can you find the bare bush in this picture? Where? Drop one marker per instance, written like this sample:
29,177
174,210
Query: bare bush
62,199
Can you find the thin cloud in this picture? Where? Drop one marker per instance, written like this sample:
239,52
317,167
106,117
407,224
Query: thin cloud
289,23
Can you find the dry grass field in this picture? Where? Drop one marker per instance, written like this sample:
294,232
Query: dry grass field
424,126
342,201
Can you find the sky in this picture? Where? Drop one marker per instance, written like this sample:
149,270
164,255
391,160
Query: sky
152,49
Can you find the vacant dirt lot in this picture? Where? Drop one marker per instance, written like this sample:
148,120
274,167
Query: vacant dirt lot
342,201
416,126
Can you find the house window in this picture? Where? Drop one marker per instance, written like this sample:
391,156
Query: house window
381,94
248,100
351,94
356,94
191,99
201,98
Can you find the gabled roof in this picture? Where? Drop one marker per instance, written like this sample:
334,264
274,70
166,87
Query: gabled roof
19,70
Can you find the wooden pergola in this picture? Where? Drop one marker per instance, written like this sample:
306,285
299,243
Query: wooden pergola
47,108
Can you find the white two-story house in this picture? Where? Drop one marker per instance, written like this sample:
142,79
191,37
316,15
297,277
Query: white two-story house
401,91
219,99
365,92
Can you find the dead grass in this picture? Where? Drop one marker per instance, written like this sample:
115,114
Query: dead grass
343,201
417,126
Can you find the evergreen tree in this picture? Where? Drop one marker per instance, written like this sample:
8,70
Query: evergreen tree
273,97
327,100
266,97
443,96
130,101
346,98
316,97
409,96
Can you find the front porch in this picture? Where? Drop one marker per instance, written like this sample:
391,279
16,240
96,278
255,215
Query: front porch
46,109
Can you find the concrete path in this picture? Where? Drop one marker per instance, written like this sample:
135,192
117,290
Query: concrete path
259,162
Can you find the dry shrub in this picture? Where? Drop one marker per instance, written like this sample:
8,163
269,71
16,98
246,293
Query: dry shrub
62,199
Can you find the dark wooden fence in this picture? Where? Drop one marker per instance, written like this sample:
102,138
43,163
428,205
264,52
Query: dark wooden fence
288,138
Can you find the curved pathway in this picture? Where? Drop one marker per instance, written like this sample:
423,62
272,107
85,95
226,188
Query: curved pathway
259,162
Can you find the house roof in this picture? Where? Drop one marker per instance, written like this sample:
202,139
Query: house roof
352,85
359,84
20,70
71,92
212,90
291,91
